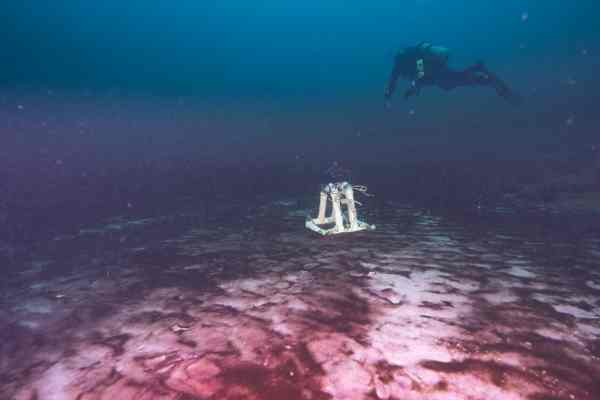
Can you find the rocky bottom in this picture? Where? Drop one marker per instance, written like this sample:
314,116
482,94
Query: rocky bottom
256,307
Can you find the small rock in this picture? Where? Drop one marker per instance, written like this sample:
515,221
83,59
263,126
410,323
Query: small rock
177,328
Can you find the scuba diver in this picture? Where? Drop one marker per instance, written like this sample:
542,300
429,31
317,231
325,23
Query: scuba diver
338,173
427,65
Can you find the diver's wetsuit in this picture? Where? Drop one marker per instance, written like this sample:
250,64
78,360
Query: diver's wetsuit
427,65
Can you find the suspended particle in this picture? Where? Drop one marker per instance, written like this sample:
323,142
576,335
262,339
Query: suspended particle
524,16
570,121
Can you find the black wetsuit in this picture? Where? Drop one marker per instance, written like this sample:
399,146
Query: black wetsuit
424,67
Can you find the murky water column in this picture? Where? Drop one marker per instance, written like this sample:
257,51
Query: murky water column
423,308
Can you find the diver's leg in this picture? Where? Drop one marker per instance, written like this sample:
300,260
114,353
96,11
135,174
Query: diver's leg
479,75
504,91
479,66
501,87
450,79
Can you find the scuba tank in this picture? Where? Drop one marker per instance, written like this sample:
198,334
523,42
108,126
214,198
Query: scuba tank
441,53
430,57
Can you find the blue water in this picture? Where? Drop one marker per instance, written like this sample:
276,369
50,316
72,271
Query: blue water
129,94
138,94
307,50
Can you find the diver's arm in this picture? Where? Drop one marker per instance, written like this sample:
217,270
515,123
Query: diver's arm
391,86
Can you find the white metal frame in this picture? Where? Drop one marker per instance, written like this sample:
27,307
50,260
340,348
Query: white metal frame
341,194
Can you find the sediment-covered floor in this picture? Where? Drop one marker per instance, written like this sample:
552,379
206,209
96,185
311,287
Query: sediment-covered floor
256,307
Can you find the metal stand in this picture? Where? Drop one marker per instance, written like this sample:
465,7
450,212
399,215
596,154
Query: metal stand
340,194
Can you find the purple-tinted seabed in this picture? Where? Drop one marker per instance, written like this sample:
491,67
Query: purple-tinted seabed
417,310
